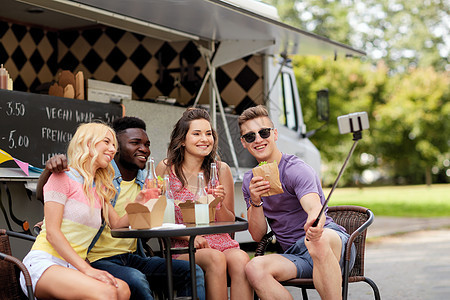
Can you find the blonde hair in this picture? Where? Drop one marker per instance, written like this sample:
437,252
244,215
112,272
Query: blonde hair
82,155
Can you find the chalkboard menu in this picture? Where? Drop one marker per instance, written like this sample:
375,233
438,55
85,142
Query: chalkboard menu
35,127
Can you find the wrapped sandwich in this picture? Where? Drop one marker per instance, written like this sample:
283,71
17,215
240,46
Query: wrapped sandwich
270,173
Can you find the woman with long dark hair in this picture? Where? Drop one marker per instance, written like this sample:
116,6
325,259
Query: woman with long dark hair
192,149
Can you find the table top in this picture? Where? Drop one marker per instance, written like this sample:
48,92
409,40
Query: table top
190,230
16,174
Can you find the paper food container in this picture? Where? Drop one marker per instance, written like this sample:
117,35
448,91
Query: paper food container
148,215
270,173
188,209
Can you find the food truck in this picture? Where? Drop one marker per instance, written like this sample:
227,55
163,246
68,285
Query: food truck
154,58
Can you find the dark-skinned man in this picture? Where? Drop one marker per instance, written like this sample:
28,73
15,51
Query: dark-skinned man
118,256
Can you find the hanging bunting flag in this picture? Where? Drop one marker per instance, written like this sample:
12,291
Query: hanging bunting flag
23,166
5,156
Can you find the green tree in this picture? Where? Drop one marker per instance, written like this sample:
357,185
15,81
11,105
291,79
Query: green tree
323,17
409,117
404,87
413,33
413,127
353,86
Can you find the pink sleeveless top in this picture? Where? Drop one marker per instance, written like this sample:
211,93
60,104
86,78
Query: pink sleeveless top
219,242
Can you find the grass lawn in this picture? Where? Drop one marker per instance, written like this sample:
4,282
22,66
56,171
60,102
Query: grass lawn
398,201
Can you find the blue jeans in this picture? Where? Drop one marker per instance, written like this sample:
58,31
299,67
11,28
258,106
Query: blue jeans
143,273
299,255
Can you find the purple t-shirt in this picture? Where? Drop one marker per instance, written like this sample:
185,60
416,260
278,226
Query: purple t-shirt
284,212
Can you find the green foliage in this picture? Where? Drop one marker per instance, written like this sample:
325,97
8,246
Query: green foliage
405,201
319,16
408,115
353,86
404,34
413,126
403,87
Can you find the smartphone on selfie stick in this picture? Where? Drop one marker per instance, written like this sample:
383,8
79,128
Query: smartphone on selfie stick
354,123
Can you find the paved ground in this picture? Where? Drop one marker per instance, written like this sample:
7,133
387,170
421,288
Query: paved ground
407,258
387,226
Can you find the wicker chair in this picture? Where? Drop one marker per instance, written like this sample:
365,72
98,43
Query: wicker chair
9,283
355,220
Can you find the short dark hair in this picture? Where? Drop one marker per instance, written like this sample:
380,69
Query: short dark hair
124,123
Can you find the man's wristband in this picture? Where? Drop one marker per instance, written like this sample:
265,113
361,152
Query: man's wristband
256,205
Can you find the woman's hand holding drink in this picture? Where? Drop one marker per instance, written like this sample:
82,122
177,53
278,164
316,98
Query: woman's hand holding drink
214,187
151,186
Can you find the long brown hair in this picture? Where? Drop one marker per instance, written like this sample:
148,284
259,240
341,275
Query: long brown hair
175,151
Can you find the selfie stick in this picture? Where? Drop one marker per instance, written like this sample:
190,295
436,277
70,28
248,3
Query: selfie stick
355,123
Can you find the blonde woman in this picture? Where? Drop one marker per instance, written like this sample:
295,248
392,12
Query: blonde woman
75,202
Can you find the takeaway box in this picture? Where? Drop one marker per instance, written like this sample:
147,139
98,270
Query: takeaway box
148,215
188,209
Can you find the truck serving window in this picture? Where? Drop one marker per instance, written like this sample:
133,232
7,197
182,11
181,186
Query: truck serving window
289,108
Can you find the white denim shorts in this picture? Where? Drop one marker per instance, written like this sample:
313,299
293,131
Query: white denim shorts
37,262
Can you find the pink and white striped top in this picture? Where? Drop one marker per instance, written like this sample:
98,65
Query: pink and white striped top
80,222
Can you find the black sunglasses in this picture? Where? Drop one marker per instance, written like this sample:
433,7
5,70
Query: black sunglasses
251,136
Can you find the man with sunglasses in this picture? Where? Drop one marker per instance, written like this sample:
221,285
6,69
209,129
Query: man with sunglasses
309,252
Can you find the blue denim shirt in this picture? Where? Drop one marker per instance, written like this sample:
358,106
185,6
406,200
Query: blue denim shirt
117,180
140,179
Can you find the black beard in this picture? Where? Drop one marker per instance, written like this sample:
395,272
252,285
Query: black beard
129,165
